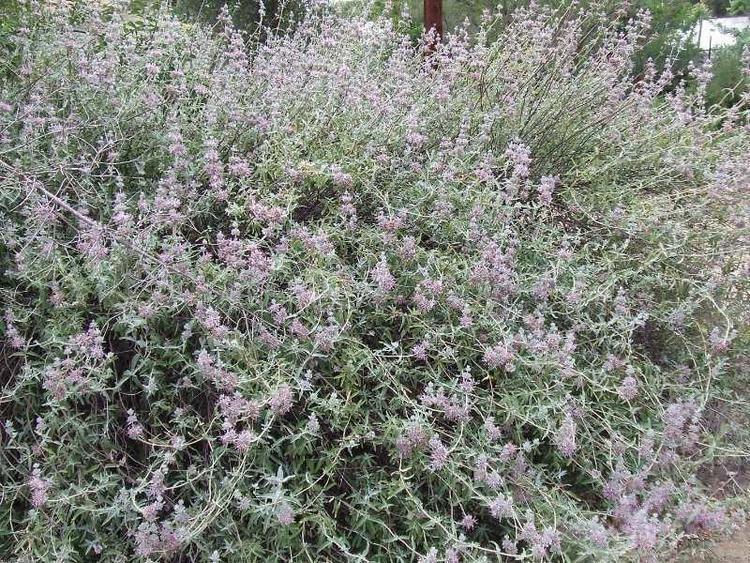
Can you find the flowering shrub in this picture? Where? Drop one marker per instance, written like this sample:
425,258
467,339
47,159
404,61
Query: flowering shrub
328,298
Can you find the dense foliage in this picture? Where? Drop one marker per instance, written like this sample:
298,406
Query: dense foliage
330,298
730,84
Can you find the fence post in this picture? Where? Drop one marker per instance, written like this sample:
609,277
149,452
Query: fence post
433,16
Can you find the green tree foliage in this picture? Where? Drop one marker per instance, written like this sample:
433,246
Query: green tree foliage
739,6
719,8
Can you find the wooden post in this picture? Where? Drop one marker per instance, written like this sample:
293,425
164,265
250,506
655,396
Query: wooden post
433,16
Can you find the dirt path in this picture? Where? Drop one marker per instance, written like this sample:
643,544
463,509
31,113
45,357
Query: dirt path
732,549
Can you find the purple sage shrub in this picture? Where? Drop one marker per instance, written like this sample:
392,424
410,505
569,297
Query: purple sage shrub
335,296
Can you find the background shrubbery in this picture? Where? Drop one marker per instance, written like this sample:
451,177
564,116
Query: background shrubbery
327,299
729,84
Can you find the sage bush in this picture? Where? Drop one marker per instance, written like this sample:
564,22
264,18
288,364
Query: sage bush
338,297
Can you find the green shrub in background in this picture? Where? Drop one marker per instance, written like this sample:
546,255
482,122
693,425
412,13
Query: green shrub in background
321,299
9,10
730,82
739,7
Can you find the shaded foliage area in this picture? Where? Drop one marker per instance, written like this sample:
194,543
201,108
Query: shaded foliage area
247,15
